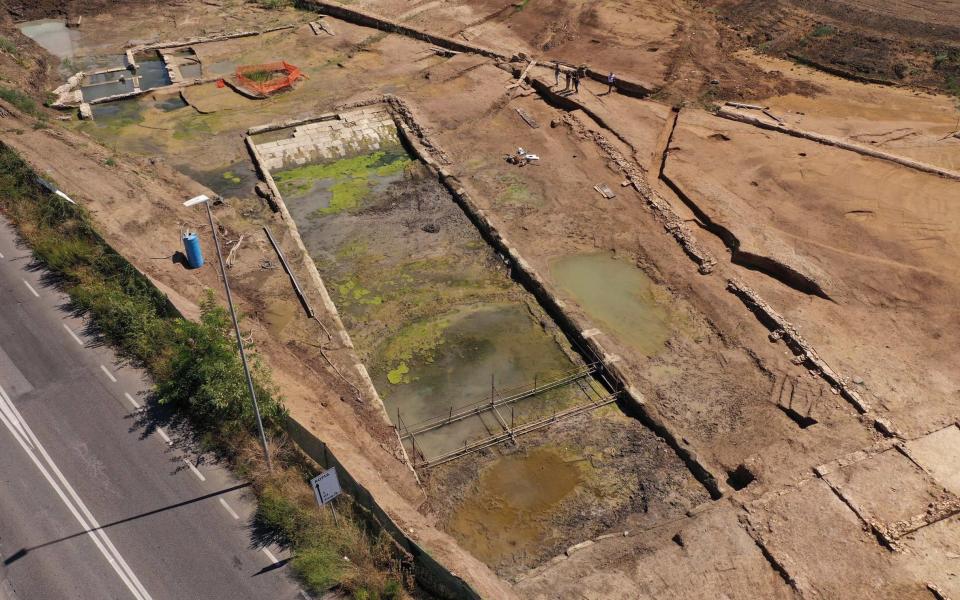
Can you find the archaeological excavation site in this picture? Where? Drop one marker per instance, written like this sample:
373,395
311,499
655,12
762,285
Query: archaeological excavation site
608,299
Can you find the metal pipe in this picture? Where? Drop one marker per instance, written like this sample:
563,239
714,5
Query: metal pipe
236,328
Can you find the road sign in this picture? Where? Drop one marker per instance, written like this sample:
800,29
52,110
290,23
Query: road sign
326,486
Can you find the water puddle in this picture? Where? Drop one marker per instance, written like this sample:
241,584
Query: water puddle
171,103
152,71
116,115
104,90
109,76
235,180
278,315
618,297
53,35
191,71
456,358
508,513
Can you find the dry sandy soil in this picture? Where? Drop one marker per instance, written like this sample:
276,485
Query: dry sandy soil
829,487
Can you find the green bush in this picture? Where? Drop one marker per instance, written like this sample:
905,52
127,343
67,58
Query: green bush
7,45
205,376
20,100
823,31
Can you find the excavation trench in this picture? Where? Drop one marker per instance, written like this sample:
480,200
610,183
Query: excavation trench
447,324
755,262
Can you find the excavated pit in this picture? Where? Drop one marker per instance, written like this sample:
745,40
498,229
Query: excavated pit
442,328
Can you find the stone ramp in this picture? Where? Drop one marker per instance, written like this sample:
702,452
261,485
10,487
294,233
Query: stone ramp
347,134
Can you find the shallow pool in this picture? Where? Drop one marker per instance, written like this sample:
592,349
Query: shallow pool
53,35
618,297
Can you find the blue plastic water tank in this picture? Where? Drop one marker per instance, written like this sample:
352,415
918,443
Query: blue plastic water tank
191,244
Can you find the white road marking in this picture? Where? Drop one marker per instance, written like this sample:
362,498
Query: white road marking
108,373
273,559
10,411
30,287
72,334
232,512
73,502
132,400
164,435
195,470
1,254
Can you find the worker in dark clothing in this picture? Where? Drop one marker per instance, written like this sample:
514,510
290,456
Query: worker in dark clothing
569,78
611,81
556,74
576,81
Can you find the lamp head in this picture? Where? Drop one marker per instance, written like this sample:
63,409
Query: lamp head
197,200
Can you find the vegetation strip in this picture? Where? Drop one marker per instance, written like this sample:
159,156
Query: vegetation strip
199,373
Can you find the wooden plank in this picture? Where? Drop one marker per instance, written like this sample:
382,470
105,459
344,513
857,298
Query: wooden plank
522,75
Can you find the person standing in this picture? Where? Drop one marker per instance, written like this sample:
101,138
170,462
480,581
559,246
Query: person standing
576,81
611,80
569,77
556,74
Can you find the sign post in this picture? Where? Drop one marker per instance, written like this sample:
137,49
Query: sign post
326,487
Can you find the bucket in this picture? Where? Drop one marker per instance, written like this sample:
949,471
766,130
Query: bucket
191,244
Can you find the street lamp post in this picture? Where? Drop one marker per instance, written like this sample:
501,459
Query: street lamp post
236,327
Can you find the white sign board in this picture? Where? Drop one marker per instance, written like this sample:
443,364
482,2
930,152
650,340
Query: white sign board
326,486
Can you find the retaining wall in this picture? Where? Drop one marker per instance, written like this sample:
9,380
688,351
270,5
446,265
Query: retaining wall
429,573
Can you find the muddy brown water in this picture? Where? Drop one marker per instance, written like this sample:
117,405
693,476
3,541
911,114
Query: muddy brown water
508,512
618,297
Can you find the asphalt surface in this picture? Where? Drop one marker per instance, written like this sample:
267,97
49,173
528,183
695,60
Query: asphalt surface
93,502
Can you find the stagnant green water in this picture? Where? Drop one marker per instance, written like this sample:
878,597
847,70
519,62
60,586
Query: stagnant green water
431,309
618,297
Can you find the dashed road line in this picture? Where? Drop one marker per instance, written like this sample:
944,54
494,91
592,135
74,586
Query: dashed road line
30,287
195,470
132,400
273,559
230,510
108,373
72,334
163,434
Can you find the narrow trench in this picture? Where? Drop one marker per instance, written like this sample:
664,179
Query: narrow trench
755,262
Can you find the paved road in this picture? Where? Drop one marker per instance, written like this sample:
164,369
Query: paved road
92,503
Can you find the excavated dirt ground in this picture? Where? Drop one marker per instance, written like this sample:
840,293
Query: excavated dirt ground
820,499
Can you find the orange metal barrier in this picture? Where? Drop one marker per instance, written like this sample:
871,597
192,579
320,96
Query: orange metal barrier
286,76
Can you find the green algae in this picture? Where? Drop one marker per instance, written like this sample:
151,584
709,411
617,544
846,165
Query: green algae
399,374
231,177
350,290
420,339
350,178
194,126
